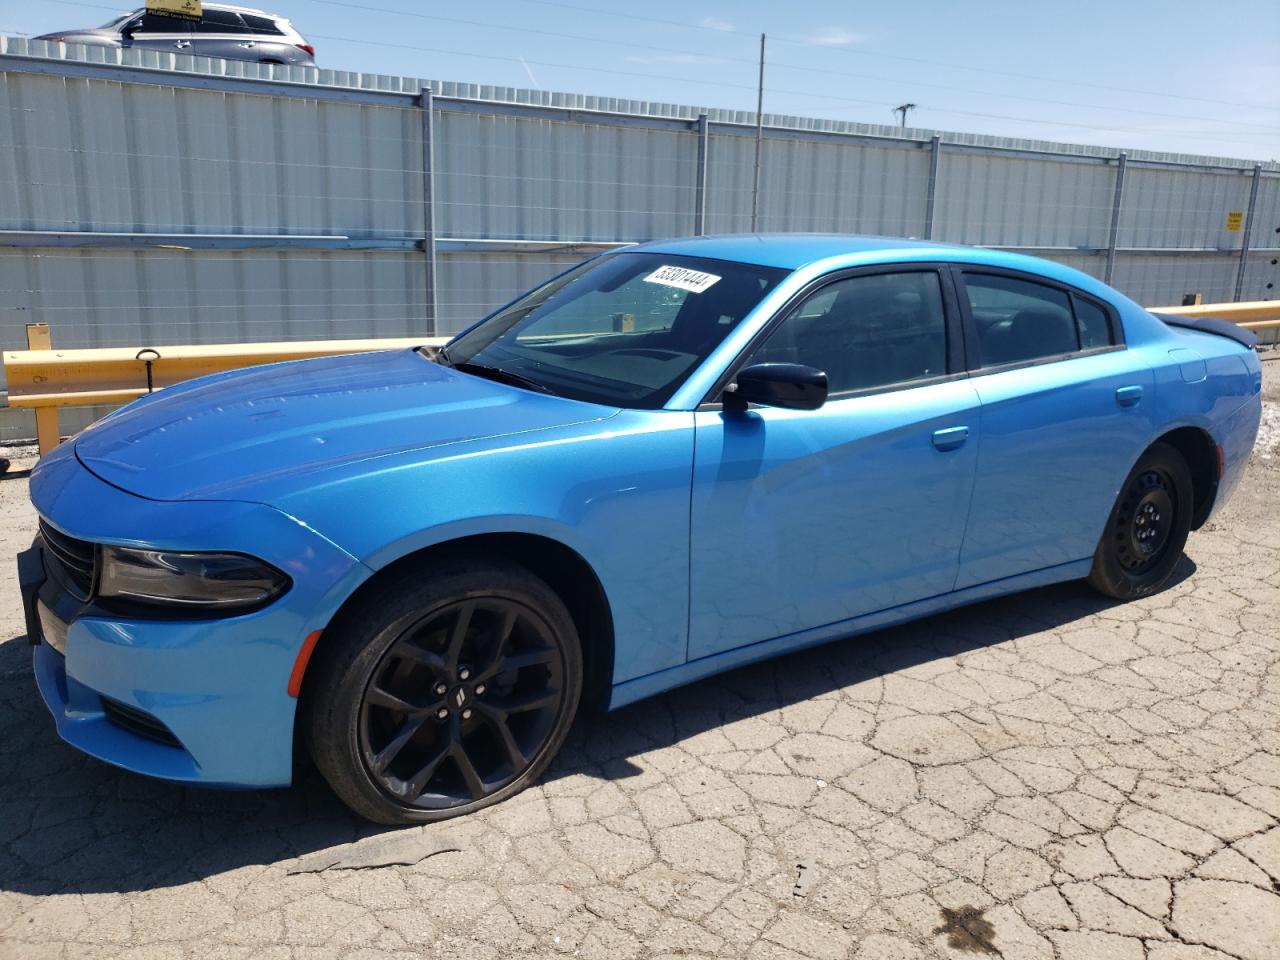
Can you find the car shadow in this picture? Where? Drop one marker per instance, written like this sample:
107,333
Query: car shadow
71,824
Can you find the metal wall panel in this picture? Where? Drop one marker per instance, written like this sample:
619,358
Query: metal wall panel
1181,208
501,177
1262,276
1092,264
819,185
1161,281
1014,201
112,298
134,157
473,284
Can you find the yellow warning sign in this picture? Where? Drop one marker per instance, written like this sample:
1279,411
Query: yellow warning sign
182,9
1235,219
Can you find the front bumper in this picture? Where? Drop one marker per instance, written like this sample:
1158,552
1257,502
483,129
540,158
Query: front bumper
218,685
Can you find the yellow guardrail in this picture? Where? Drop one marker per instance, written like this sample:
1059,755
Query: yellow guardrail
1255,315
45,379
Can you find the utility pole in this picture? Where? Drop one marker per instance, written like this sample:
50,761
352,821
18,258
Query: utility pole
903,110
755,175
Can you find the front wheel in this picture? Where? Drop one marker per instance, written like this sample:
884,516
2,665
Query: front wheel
1147,528
443,690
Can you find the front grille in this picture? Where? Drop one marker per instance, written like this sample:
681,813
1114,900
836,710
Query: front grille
73,560
138,722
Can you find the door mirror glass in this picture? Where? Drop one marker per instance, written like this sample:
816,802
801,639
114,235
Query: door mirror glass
792,386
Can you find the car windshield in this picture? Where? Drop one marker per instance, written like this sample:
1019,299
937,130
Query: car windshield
116,20
624,329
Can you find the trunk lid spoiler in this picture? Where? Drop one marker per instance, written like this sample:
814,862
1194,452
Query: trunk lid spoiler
1221,328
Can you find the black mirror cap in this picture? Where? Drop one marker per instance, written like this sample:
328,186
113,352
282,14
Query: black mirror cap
793,386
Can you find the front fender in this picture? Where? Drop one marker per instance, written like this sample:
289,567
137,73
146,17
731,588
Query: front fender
616,493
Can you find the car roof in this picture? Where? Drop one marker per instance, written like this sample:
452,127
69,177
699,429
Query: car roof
833,251
238,9
788,250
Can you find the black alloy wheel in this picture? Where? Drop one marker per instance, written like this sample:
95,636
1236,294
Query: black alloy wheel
442,689
461,702
1148,526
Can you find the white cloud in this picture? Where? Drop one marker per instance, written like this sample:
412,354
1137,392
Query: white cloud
715,23
834,37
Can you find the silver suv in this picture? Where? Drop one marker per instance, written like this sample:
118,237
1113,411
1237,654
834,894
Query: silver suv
236,33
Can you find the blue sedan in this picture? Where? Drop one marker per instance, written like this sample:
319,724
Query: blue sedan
668,461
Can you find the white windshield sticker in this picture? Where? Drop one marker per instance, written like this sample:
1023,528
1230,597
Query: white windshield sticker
693,280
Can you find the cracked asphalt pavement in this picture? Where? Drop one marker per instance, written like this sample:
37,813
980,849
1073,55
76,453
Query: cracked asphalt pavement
1051,775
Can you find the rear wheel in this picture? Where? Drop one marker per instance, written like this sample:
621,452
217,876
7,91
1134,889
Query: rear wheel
442,691
1147,528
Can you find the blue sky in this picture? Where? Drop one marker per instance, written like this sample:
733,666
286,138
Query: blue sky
1194,77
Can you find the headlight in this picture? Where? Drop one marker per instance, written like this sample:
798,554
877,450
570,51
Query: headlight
193,580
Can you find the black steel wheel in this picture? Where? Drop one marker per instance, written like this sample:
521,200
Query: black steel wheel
1145,521
443,692
1147,528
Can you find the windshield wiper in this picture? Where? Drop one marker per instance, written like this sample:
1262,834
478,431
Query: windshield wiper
441,357
502,376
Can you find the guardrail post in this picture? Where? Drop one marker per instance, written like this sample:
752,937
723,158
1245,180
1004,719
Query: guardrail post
1248,231
1113,237
935,153
48,433
429,205
700,179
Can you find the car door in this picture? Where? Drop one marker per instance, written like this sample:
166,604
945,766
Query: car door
221,33
1066,409
152,31
801,519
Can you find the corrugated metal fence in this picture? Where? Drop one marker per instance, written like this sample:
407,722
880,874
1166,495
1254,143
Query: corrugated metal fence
152,198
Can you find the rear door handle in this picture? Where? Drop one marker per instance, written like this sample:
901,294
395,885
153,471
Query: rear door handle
1128,396
950,438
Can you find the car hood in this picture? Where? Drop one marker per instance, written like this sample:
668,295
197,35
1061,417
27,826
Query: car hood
220,436
90,35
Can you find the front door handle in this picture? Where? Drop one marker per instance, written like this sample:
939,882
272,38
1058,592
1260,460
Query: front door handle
950,438
1128,396
182,44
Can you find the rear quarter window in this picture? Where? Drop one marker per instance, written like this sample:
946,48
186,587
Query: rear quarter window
1092,323
262,25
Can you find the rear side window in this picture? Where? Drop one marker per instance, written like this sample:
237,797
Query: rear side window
1019,320
261,25
221,21
865,332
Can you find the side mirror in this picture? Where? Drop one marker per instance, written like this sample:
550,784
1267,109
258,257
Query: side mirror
130,28
792,386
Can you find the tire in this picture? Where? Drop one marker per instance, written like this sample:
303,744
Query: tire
444,689
1147,528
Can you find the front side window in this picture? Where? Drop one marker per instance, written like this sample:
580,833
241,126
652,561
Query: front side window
866,332
1019,320
625,329
158,23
